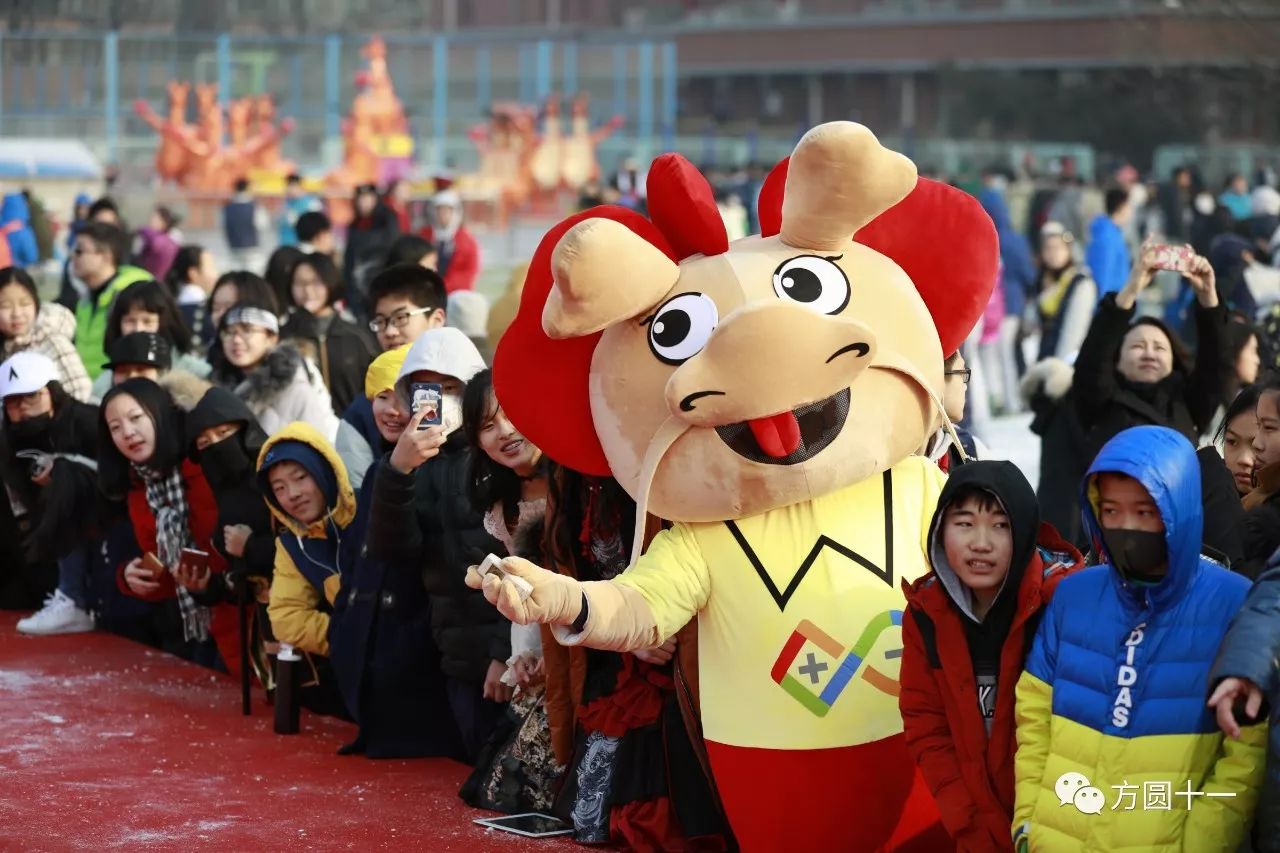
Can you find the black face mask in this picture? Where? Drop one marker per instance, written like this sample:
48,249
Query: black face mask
1139,555
32,427
225,463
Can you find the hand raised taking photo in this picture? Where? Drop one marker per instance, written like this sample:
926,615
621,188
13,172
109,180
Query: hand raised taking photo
415,446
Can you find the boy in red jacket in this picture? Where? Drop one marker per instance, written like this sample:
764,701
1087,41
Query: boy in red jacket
966,632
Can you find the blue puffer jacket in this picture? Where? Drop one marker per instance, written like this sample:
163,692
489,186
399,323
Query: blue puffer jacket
1019,276
22,242
1252,651
1116,682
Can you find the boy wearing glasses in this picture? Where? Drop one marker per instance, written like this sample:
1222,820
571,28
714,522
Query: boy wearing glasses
941,448
407,300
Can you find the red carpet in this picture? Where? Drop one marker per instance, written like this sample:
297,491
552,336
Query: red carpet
108,745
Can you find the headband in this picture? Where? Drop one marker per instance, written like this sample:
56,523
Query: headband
250,316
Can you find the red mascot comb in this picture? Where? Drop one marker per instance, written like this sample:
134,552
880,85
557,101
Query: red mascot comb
683,207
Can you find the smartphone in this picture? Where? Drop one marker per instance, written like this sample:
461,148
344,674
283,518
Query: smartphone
426,395
530,825
1168,257
195,558
152,563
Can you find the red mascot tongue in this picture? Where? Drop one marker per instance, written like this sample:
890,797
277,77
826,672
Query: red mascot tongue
777,435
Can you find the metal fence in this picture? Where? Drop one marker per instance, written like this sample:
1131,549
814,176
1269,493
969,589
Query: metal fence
84,85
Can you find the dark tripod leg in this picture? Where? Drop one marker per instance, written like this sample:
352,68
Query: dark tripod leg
242,606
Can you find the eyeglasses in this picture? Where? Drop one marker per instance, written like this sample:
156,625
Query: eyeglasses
399,320
21,402
963,374
244,333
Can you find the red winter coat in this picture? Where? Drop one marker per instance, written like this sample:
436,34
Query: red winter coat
971,775
203,519
464,263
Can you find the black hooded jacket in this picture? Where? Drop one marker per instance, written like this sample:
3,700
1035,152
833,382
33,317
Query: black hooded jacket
68,510
230,468
424,522
1186,400
341,349
1006,483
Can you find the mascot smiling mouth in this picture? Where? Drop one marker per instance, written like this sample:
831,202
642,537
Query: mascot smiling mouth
791,437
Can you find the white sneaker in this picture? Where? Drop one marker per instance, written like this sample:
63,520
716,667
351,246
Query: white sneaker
58,616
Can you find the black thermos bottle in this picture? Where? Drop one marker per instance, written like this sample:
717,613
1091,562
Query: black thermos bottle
288,711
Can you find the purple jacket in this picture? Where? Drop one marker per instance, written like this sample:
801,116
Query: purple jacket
157,253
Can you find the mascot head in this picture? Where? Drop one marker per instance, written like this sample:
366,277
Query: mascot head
719,380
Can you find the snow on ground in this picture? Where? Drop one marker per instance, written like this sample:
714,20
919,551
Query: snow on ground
1011,438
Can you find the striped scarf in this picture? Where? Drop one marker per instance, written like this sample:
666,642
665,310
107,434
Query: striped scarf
168,501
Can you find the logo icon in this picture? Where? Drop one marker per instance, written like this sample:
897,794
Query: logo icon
815,683
1074,789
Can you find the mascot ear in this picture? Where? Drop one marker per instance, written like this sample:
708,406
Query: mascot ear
839,179
589,264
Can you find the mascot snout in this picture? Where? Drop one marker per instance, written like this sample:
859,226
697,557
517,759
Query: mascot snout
774,380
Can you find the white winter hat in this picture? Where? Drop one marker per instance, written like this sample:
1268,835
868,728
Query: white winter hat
444,350
446,198
25,373
468,311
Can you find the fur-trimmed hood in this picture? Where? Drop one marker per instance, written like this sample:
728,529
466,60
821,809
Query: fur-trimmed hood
185,388
1050,377
274,374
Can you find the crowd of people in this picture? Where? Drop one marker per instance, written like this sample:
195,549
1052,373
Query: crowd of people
180,447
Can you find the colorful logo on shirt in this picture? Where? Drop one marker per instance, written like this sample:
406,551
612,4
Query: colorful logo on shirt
813,682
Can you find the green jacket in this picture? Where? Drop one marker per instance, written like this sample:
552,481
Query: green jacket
91,317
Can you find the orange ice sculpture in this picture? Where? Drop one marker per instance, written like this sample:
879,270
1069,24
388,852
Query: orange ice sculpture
375,134
578,160
196,156
176,135
545,161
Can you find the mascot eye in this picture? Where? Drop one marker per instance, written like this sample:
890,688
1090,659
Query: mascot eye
681,327
814,282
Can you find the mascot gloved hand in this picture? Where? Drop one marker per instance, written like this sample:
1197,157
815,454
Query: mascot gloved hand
768,398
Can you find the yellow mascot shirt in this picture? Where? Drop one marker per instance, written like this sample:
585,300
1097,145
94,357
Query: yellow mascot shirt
799,610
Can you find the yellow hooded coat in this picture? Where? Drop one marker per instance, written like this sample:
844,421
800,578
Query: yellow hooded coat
294,607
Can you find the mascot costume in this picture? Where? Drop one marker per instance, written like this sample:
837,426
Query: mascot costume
769,398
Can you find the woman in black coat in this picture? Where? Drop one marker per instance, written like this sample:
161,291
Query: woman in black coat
224,438
1130,373
340,348
369,236
385,657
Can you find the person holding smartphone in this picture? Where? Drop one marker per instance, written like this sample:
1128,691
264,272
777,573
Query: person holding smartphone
171,507
381,645
1133,370
47,447
420,518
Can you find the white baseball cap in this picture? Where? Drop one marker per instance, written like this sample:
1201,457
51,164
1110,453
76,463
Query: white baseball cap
25,373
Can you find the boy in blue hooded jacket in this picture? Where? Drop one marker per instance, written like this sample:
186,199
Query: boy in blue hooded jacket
1112,726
